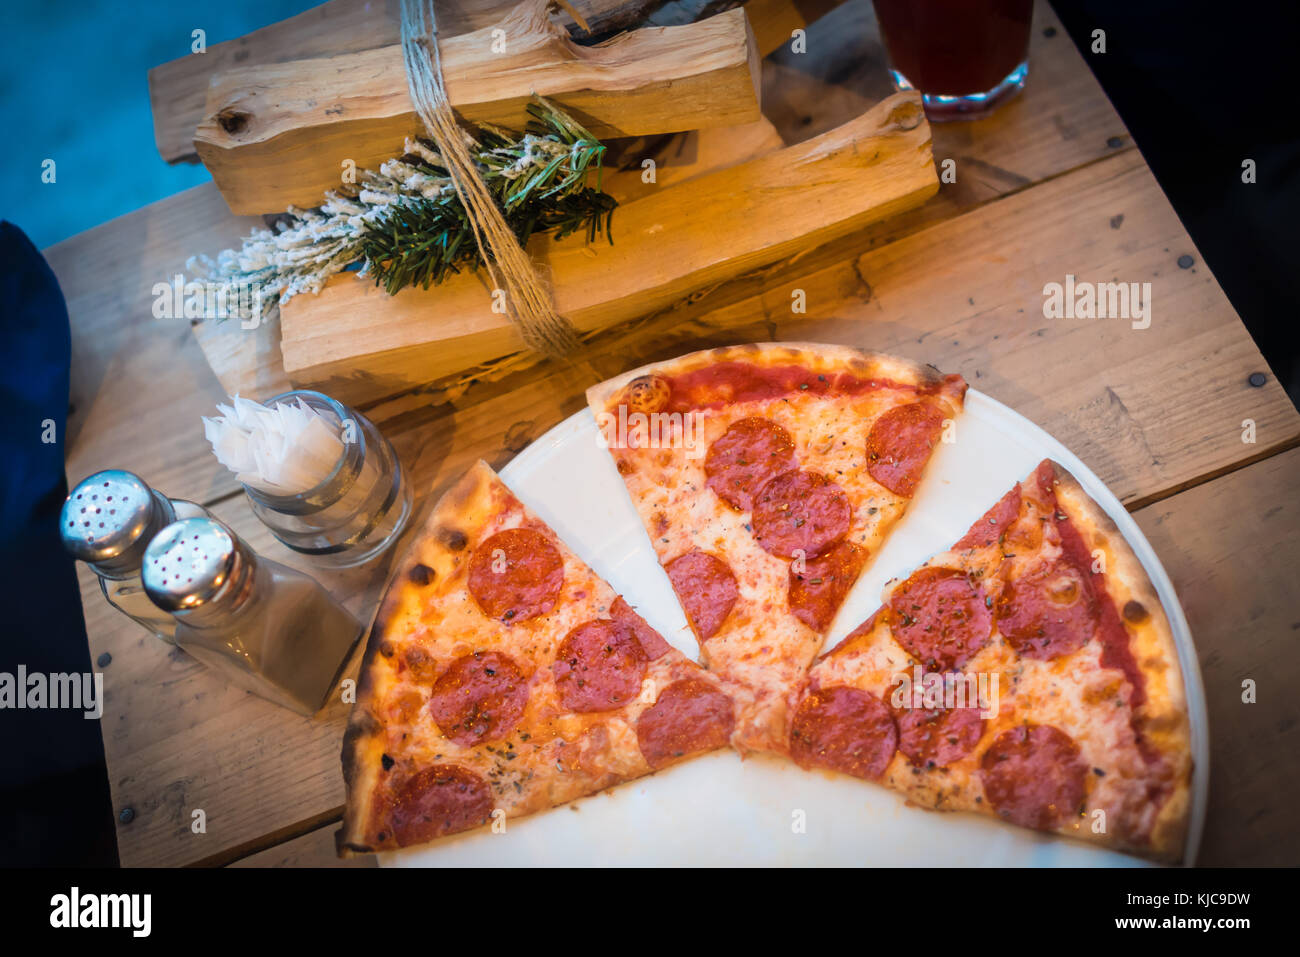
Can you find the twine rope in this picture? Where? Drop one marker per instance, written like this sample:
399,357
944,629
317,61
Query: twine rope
528,301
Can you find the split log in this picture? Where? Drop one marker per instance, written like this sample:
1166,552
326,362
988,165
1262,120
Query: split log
281,135
355,342
247,361
178,89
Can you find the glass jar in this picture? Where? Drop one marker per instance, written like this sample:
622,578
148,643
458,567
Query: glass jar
357,511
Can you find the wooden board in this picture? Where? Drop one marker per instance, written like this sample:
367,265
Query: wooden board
1231,548
186,732
313,849
174,739
281,135
178,89
358,343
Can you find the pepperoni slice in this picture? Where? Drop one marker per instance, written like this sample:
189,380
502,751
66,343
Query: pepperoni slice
598,666
900,443
993,524
1033,776
435,801
480,697
940,617
844,729
1048,613
938,737
816,592
652,643
706,588
800,511
690,716
743,459
516,575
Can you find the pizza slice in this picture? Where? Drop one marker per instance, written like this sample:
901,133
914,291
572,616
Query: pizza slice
767,476
1029,673
502,677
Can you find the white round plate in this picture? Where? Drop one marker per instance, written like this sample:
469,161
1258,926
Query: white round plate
762,811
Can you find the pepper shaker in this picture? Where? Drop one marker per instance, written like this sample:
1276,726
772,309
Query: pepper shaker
107,522
267,628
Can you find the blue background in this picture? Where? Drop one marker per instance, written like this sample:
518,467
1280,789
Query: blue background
74,88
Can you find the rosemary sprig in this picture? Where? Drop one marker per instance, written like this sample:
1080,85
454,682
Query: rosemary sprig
539,180
422,241
404,225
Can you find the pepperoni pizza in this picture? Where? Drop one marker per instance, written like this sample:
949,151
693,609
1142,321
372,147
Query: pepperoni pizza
767,476
1028,673
502,676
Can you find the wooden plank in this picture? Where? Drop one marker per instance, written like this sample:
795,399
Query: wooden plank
276,136
1232,552
356,342
178,739
178,88
139,382
313,849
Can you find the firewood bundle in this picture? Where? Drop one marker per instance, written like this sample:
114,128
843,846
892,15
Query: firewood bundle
289,112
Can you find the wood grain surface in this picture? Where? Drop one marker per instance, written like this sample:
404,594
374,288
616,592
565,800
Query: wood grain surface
282,134
1048,186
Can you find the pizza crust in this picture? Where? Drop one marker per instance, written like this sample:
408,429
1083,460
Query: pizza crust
817,357
461,511
1164,713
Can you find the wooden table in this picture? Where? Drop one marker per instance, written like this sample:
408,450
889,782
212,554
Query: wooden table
1052,184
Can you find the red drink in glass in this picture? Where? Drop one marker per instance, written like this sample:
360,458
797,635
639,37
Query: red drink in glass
964,56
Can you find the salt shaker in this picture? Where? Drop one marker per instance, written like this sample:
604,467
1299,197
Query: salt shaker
107,522
265,627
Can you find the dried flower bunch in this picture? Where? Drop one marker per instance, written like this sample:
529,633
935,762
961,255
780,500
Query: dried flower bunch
404,225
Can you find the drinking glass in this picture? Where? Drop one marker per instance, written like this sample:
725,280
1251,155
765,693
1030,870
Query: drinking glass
965,57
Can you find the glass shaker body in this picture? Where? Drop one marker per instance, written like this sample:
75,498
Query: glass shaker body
263,626
357,511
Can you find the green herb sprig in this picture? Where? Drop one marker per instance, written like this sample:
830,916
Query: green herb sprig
405,226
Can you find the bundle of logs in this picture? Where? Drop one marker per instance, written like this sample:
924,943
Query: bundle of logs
277,114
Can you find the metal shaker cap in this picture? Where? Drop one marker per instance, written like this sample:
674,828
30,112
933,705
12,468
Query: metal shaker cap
108,519
189,562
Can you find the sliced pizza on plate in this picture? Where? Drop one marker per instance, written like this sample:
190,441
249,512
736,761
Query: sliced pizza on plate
503,677
1028,673
767,477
